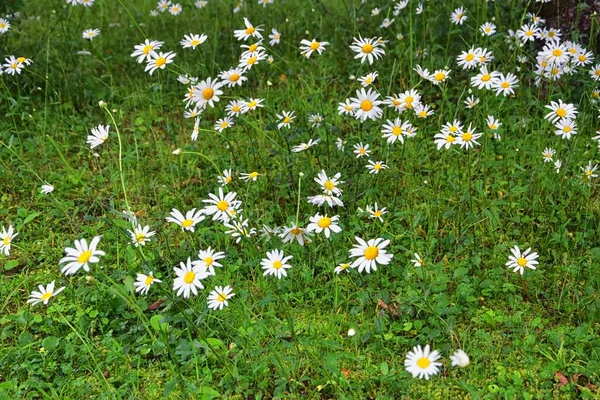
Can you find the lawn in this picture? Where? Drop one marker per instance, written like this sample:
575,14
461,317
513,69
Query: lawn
225,217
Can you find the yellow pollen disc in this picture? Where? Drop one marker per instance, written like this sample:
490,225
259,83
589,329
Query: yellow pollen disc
186,223
557,52
548,155
487,30
440,76
149,279
2,25
555,71
252,104
324,222
588,172
286,120
377,214
368,80
253,175
423,362
377,166
251,60
421,261
296,231
422,114
348,108
6,240
597,72
582,58
396,102
366,105
189,277
222,205
493,126
235,109
450,139
208,93
329,185
467,137
544,64
486,77
90,34
362,151
160,61
21,59
561,112
222,297
567,129
234,77
521,261
315,45
371,252
367,48
397,131
228,179
469,57
140,237
252,47
224,124
250,30
84,257
504,85
550,34
529,33
208,261
277,264
14,65
453,129
46,296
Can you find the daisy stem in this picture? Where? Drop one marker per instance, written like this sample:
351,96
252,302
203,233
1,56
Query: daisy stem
398,176
120,154
298,202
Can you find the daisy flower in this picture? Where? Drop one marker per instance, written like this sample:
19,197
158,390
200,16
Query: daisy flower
418,261
142,51
207,260
288,234
98,136
376,213
223,123
342,267
90,34
370,254
47,188
286,117
487,29
201,3
505,84
322,223
315,120
4,25
444,139
6,238
226,178
589,170
361,150
368,79
251,59
493,123
458,17
528,32
560,110
143,282
275,263
366,105
439,76
140,236
247,177
252,48
423,111
217,299
468,138
235,108
565,128
307,48
460,359
44,295
471,101
158,61
207,92
375,166
595,72
192,40
80,256
518,261
253,104
367,49
233,77
305,146
275,37
239,229
484,79
329,185
244,34
421,363
221,206
468,59
188,222
175,9
548,153
188,279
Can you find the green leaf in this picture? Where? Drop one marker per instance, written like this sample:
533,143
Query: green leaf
169,387
50,343
10,264
207,393
384,368
31,217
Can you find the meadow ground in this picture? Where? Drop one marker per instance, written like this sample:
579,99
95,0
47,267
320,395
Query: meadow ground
439,178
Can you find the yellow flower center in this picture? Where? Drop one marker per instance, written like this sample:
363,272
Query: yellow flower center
21,59
366,105
46,296
453,128
544,64
253,175
397,131
440,76
377,166
597,72
521,262
557,52
2,25
423,362
149,279
250,30
189,277
486,77
567,129
493,126
422,114
208,93
529,33
588,172
377,214
469,57
315,45
561,112
324,222
368,80
296,231
504,85
228,179
450,139
362,151
208,261
396,102
140,237
277,264
186,223
6,240
236,109
367,48
467,136
286,120
329,185
252,60
222,205
582,58
234,77
222,297
160,61
253,47
84,257
252,104
371,252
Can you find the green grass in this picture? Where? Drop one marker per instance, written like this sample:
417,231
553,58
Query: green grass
461,210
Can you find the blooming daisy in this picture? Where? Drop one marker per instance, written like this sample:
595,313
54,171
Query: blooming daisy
367,49
368,79
192,40
143,282
275,36
375,212
460,359
444,139
142,51
487,29
589,170
188,279
201,3
518,261
253,104
468,138
223,123
307,48
217,299
236,107
560,110
175,9
158,61
370,254
140,236
595,72
422,111
321,199
207,92
252,48
251,176
366,105
288,234
548,153
207,260
244,34
342,267
471,101
226,178
44,295
90,34
98,136
47,188
375,166
80,256
458,17
565,128
322,223
239,229
286,117
505,84
275,264
4,25
251,59
188,222
221,207
329,185
418,261
484,79
6,238
233,77
361,150
439,76
421,363
468,59
305,146
315,120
